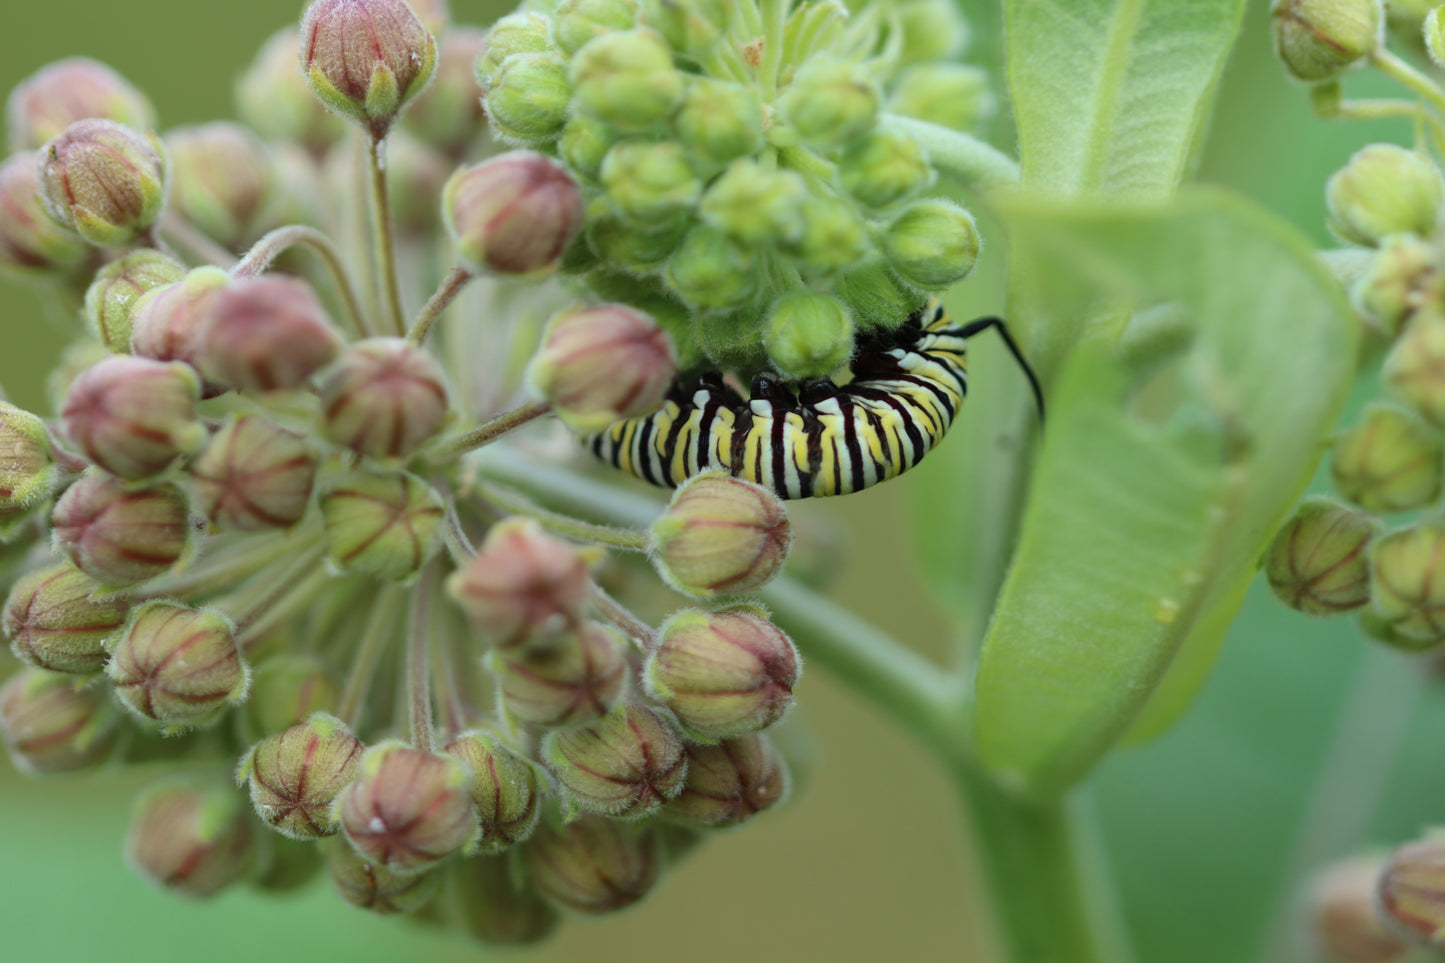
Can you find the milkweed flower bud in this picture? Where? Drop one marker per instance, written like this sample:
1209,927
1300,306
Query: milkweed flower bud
365,59
504,788
691,28
577,21
830,103
134,416
386,525
956,96
103,181
834,236
630,246
50,724
383,398
1343,922
265,334
27,461
1389,462
649,183
523,32
76,88
593,864
572,682
274,99
1407,583
1434,31
584,144
601,363
286,691
723,674
720,535
371,886
119,535
1415,367
176,664
1403,280
932,244
729,782
193,838
624,765
296,775
408,808
528,98
487,900
448,115
30,242
514,213
627,79
932,30
809,335
1319,39
254,475
884,168
222,180
1384,189
719,120
523,585
165,322
54,623
1411,891
755,205
711,272
112,296
1317,563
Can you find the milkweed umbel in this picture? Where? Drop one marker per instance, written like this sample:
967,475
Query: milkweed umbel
829,439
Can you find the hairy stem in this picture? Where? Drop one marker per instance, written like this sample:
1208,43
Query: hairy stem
458,278
186,236
622,617
380,629
418,661
514,503
973,162
451,449
266,250
383,239
1408,77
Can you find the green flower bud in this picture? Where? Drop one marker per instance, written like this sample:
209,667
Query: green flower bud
691,27
386,525
710,272
1415,367
286,691
884,168
585,142
119,535
265,334
408,808
875,297
1384,189
1407,583
292,866
818,26
365,59
30,242
103,181
593,864
719,536
193,838
504,788
53,623
1403,279
931,30
1389,462
528,98
383,398
165,322
50,724
177,665
650,183
1342,919
514,213
373,887
296,775
632,247
1434,32
624,765
274,99
575,681
76,88
134,416
755,205
830,103
719,120
1317,562
486,899
1319,39
1378,629
522,32
809,335
601,363
733,340
113,294
577,21
723,674
932,244
627,79
729,782
448,115
254,475
27,461
833,238
1410,891
957,96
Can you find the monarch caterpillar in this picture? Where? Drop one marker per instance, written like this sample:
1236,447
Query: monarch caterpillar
829,439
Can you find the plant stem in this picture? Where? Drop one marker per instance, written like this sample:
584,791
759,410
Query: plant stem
383,240
266,250
418,660
514,503
458,278
775,19
184,235
974,162
450,449
620,616
1408,77
379,632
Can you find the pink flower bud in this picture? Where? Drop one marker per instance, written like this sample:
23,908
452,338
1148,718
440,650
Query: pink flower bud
193,838
1411,891
514,213
624,765
448,115
572,681
30,242
104,181
120,535
177,665
221,180
504,789
111,298
371,886
599,364
729,782
408,808
387,525
1343,923
265,334
296,775
61,93
485,897
366,58
134,416
721,535
165,323
51,724
383,398
27,462
254,475
53,622
593,864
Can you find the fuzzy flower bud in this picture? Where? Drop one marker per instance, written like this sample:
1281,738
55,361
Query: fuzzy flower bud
134,416
254,475
834,236
221,180
274,99
53,623
1404,279
523,32
103,181
408,808
1343,921
119,535
30,242
50,724
383,398
286,691
371,886
1411,891
692,28
578,21
487,900
165,322
504,789
624,765
1434,31
514,213
27,462
830,103
957,96
601,363
723,674
1319,39
593,864
884,168
627,79
177,665
932,244
1415,367
449,114
528,97
711,272
265,334
1384,189
719,120
572,682
296,775
61,93
755,205
192,838
584,144
1407,581
729,782
386,525
649,183
365,59
112,296
719,536
1317,563
1389,462
809,335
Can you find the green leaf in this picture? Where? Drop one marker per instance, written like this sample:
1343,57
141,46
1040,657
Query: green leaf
1163,471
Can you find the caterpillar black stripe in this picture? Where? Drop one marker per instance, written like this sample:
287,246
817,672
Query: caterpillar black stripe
827,439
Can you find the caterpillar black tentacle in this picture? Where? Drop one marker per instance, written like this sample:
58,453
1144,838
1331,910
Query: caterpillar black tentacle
826,439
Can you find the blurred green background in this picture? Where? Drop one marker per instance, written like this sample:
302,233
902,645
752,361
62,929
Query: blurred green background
1204,828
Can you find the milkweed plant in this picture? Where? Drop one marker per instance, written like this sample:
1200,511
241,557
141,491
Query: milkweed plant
309,529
